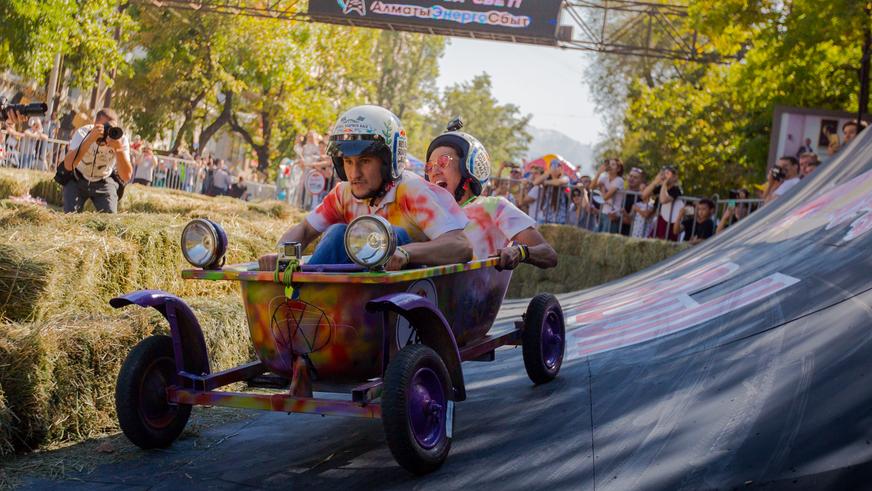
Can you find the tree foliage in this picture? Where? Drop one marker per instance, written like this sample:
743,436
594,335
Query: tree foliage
501,128
32,32
714,121
405,72
293,77
192,73
177,70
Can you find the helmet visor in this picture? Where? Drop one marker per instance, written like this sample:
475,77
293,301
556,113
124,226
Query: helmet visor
354,145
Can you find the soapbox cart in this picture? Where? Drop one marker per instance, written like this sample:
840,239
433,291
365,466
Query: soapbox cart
391,343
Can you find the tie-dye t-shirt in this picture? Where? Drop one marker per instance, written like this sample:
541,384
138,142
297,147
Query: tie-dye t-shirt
493,221
424,210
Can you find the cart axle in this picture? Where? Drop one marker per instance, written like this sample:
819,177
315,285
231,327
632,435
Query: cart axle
275,402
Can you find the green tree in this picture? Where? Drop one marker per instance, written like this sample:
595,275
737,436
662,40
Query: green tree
406,67
715,124
293,76
177,71
32,32
501,128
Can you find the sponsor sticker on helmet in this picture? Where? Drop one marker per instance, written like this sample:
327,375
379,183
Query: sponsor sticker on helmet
481,165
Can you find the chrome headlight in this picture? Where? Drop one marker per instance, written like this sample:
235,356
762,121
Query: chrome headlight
370,241
204,243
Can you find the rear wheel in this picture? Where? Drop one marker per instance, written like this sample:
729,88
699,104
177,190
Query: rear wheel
416,410
543,338
145,415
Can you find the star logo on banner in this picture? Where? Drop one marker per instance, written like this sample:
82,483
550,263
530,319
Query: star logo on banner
348,6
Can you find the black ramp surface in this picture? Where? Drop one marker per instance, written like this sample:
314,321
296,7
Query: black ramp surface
741,362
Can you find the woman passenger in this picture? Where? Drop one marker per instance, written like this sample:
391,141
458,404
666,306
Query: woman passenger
460,164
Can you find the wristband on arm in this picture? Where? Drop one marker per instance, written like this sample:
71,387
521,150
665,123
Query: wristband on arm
525,252
407,258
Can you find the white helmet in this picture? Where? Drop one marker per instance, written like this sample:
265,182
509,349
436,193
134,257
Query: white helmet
369,130
475,166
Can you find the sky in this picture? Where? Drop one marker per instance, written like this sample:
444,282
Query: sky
543,81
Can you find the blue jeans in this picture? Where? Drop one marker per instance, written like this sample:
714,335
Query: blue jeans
331,249
606,225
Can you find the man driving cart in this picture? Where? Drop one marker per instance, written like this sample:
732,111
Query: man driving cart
368,149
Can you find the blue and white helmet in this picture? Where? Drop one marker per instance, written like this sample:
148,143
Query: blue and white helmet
475,165
369,130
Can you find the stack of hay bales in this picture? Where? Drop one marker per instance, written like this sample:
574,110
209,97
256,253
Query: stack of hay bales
59,375
61,344
18,182
587,259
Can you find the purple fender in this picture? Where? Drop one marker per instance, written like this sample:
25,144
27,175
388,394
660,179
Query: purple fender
188,342
432,328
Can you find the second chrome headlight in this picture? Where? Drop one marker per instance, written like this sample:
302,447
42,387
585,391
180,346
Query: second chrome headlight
370,241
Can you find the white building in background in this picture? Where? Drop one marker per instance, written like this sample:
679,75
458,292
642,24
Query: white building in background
791,126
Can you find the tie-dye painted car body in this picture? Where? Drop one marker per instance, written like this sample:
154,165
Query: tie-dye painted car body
328,320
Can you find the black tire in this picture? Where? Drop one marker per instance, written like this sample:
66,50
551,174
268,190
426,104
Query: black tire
144,414
404,374
544,338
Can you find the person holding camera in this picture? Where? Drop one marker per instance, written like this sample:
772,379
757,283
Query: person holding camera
665,188
97,165
782,178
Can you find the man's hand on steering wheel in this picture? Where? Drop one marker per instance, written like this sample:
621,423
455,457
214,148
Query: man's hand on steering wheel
510,258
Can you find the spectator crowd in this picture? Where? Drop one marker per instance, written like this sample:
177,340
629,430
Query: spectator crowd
180,170
634,204
614,200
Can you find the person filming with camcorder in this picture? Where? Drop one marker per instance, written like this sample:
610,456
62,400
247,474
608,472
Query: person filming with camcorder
97,165
14,115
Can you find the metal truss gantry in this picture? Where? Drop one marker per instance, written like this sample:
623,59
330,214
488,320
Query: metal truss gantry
622,27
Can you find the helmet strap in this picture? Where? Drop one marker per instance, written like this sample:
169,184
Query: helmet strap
387,184
461,189
464,192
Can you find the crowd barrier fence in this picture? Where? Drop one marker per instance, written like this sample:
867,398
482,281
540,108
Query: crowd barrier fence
624,213
561,204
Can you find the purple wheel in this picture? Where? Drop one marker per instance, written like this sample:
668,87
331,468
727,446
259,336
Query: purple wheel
416,411
145,415
544,338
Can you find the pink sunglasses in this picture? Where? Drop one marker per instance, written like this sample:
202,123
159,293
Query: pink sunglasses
442,161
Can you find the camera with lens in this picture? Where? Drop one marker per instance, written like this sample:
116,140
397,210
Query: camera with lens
32,109
112,132
777,173
287,252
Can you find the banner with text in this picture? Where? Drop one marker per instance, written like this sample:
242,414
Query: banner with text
524,18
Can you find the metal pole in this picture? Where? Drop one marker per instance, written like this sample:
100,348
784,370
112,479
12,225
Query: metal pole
864,66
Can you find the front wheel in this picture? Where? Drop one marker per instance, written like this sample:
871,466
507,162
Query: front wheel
145,415
416,411
544,338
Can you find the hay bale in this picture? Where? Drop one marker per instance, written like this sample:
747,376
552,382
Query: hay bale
92,257
11,187
12,214
22,281
17,182
49,190
26,365
587,259
86,353
7,419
